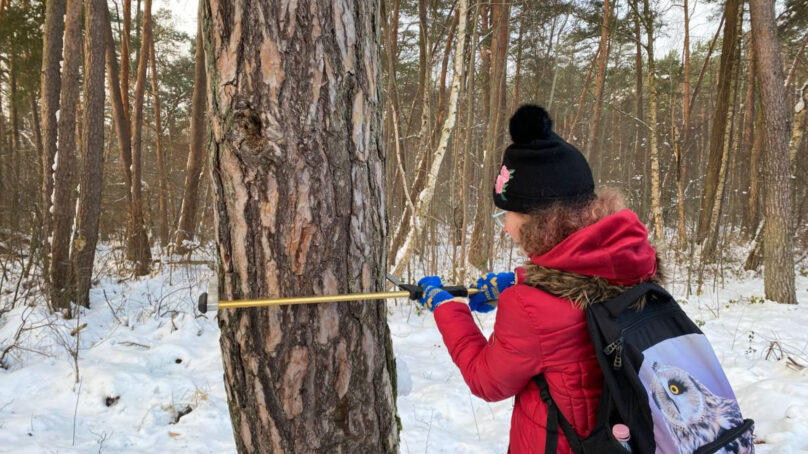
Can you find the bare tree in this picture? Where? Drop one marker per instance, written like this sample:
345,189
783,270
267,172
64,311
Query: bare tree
298,176
778,253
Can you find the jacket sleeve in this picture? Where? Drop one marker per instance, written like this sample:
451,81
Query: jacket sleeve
502,366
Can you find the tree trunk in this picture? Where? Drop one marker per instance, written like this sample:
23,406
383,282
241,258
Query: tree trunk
656,190
424,199
196,153
726,75
162,197
119,116
298,173
139,252
125,62
749,225
63,196
49,91
681,143
600,80
88,208
482,235
778,254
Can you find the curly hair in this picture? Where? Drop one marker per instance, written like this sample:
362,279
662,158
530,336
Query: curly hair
549,225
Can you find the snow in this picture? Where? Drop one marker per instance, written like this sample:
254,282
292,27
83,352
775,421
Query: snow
145,358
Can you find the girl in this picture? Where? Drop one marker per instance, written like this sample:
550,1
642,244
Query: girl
583,248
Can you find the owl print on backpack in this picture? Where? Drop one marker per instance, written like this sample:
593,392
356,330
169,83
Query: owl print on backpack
694,415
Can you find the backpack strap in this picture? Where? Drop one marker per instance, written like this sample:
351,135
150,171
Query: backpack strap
621,302
554,418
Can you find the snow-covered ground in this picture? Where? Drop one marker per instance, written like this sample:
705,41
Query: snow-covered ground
151,380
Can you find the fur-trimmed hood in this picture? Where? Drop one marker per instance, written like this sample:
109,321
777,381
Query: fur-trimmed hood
596,263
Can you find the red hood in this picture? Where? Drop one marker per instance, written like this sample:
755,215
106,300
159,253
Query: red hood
615,248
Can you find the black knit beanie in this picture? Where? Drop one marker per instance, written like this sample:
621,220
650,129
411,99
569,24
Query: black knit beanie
540,168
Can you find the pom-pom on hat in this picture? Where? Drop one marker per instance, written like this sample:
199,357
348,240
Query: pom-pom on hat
540,168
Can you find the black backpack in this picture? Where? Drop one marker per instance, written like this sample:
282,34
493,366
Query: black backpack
661,378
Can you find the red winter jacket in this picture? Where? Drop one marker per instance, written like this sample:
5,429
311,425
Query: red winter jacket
536,332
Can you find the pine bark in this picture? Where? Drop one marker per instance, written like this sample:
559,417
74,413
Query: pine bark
298,175
196,152
49,105
139,252
88,209
63,196
778,253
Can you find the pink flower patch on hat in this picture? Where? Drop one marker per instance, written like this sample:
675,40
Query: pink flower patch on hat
502,181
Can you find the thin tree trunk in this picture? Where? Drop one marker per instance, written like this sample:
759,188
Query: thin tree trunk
482,234
424,200
49,91
749,225
468,153
158,149
656,190
300,210
88,209
778,253
196,153
139,253
16,152
726,75
118,110
711,241
125,62
680,144
600,81
63,197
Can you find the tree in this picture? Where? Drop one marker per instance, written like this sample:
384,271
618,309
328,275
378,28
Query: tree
51,87
193,168
483,232
88,209
778,254
721,122
424,199
139,252
162,181
653,122
298,180
63,184
600,80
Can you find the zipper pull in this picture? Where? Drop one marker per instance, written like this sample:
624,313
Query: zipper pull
616,347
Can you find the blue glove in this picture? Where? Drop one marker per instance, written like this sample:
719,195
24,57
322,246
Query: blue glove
490,286
431,292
